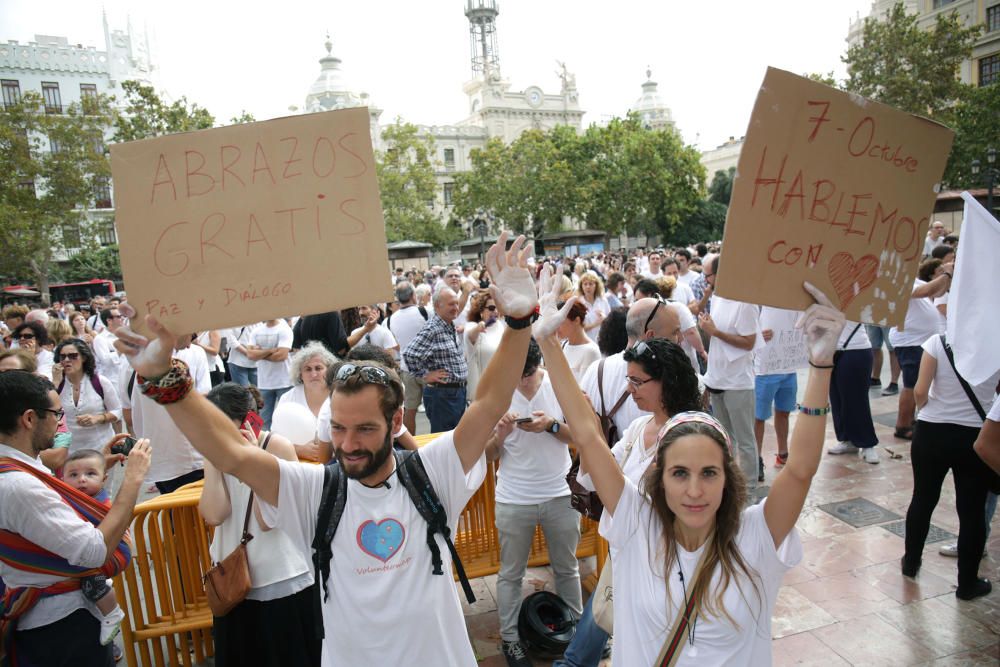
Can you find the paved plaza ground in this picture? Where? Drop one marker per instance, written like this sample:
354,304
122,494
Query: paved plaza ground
847,603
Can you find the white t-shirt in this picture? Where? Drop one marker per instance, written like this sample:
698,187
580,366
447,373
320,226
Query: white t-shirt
534,465
595,311
241,336
644,592
478,354
947,402
404,325
682,293
109,361
688,278
273,374
380,336
859,341
214,360
615,370
45,359
650,275
580,357
730,367
385,605
942,301
994,414
90,403
922,321
687,322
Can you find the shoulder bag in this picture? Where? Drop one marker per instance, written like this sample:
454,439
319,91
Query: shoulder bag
228,582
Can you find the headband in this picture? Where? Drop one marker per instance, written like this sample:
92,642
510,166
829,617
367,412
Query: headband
696,417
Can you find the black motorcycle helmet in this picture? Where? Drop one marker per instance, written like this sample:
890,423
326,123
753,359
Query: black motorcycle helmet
546,624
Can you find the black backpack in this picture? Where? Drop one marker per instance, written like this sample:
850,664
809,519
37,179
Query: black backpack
413,476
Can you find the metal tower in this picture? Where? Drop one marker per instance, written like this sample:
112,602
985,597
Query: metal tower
482,15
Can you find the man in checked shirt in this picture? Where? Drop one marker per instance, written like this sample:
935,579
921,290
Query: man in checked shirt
435,355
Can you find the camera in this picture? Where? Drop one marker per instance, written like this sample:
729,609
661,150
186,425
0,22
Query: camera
124,447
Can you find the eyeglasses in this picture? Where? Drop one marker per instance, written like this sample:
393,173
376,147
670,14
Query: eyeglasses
72,356
25,336
369,374
58,413
636,382
491,308
652,314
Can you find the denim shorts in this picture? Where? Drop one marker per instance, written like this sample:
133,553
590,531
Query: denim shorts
878,335
777,389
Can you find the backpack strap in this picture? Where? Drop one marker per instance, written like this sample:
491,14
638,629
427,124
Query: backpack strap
423,311
413,476
961,380
94,382
331,509
131,384
600,390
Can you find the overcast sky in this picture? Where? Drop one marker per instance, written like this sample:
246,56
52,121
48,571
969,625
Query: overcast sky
413,57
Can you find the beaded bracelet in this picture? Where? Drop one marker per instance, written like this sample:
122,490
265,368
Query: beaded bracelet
812,412
169,388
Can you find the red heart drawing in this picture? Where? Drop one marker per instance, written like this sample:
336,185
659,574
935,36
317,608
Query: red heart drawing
849,278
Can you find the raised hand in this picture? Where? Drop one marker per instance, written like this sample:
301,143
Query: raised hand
512,288
549,317
149,358
822,324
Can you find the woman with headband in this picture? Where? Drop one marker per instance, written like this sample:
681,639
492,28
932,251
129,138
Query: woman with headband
696,574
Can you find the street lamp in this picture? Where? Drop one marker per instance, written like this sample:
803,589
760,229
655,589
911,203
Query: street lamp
990,175
480,226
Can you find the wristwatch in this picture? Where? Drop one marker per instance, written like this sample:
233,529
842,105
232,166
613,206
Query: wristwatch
554,428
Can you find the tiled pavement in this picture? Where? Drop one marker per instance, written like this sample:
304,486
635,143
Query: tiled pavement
847,603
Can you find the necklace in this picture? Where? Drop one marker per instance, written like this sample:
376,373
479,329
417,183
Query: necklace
692,626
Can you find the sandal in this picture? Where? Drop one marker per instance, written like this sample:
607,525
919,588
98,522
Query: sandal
904,433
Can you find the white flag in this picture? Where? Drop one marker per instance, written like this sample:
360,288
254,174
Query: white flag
974,301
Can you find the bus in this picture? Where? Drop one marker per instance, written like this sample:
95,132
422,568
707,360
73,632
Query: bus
75,293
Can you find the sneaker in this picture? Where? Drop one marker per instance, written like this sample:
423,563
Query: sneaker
515,655
780,460
949,550
870,455
760,469
908,567
842,448
874,382
891,390
110,625
977,590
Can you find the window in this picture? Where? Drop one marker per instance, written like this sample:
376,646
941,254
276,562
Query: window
989,70
11,92
938,4
993,18
449,191
88,90
54,145
53,100
27,186
106,235
71,235
449,158
102,192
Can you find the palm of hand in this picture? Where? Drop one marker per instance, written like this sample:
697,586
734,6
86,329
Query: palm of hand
515,291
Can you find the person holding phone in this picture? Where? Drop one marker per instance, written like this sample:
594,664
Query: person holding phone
275,624
482,336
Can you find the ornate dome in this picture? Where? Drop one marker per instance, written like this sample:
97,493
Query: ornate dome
650,107
329,90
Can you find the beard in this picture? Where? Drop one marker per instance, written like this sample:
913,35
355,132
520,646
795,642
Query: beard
41,442
375,460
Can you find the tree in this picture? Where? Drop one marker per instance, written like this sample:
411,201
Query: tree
976,118
146,115
906,67
44,194
721,189
408,187
244,117
94,262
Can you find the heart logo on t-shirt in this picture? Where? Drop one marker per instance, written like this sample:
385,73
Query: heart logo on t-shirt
382,540
849,278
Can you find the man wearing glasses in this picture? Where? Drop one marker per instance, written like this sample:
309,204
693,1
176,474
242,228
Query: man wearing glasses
384,605
58,627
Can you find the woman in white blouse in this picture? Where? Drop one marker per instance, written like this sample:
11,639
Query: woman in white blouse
591,288
482,335
90,400
309,388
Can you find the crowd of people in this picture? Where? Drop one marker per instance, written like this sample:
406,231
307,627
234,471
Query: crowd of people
510,359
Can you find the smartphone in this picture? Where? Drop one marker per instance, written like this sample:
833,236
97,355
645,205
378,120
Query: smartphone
254,421
124,447
523,420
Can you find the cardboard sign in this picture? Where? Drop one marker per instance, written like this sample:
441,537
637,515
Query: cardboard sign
786,352
250,222
834,189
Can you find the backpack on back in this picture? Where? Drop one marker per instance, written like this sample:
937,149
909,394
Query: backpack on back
413,476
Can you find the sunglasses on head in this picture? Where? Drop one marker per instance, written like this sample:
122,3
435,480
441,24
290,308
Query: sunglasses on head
652,313
369,374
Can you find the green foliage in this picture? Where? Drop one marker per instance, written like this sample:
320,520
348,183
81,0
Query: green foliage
705,224
146,115
617,177
912,69
43,193
94,262
408,187
721,188
244,117
976,118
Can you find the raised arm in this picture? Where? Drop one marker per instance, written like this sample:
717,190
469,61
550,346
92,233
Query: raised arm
587,437
204,425
514,291
822,324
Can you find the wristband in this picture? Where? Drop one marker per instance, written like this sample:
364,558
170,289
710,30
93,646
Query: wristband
820,367
813,412
522,322
169,388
